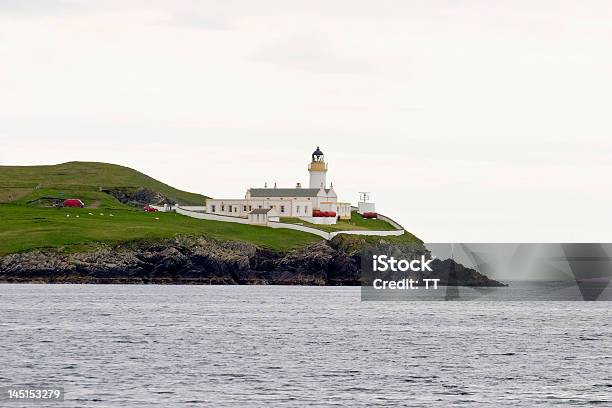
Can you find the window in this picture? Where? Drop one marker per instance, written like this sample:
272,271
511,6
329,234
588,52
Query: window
222,208
259,206
297,209
244,208
306,209
230,208
213,208
282,208
250,207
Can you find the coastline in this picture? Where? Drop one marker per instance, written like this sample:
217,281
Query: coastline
205,261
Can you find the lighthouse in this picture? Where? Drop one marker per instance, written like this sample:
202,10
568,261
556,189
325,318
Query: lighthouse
317,169
317,204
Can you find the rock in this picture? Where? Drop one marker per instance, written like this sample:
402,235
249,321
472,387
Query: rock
202,260
138,197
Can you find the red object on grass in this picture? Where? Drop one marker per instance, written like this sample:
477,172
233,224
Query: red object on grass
370,215
318,213
148,208
73,202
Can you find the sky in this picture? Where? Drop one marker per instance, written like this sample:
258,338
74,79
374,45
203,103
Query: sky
468,121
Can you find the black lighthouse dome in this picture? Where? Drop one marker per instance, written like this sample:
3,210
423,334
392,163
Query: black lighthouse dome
317,155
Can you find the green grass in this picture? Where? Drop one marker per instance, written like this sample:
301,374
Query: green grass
21,183
92,199
25,225
25,228
356,223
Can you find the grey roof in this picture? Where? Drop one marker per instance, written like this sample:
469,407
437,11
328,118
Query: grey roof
260,211
285,192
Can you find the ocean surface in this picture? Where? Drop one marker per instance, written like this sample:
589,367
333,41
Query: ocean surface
237,346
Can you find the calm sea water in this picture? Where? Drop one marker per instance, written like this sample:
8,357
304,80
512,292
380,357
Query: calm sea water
164,346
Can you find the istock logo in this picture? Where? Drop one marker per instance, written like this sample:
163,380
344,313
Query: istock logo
384,263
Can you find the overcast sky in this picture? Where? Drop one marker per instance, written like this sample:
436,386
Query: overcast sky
468,121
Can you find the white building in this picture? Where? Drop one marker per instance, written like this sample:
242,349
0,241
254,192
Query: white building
316,204
259,216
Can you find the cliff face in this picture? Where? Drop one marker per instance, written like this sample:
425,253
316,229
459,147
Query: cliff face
137,197
186,260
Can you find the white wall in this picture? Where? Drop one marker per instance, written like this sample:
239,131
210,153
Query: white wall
302,228
320,220
366,207
211,217
237,206
372,233
322,234
290,205
316,178
193,207
260,219
390,221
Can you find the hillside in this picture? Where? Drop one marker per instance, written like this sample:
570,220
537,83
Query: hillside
111,240
85,180
24,228
28,222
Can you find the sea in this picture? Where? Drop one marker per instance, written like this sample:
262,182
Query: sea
295,346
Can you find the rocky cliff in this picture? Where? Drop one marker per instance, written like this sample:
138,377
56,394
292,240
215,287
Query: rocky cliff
138,197
189,260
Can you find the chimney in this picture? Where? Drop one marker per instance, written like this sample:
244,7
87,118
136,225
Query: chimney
298,185
274,185
266,184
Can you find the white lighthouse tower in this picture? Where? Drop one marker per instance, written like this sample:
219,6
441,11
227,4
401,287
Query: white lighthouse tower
318,170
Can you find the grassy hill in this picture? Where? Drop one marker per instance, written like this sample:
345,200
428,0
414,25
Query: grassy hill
82,180
24,227
26,224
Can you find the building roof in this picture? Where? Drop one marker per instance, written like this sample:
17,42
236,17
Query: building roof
285,192
260,211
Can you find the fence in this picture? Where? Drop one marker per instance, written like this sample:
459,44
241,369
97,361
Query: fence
368,232
211,217
315,231
387,219
197,208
